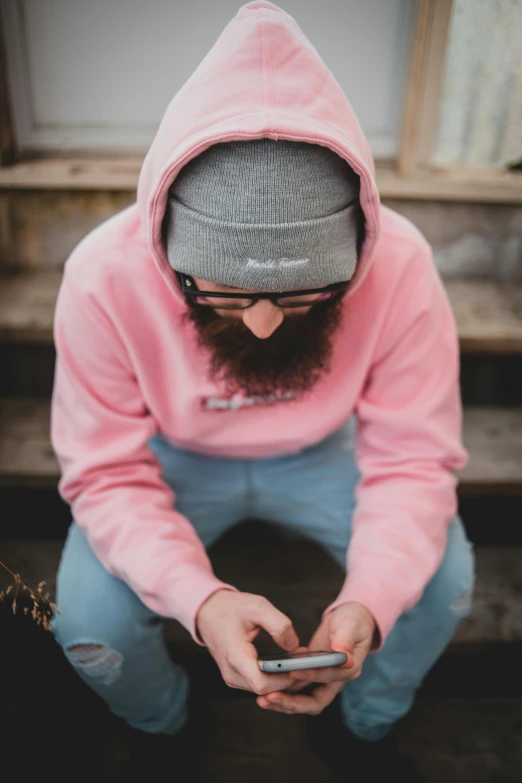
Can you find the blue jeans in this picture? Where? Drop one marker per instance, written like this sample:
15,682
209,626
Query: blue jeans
311,493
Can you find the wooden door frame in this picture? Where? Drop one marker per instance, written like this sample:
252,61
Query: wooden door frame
424,86
411,175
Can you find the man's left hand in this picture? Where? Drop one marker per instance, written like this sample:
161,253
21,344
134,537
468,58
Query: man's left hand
350,628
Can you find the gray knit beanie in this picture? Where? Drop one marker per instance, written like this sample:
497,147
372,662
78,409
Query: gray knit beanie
264,215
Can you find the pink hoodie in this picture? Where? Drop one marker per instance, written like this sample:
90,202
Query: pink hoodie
128,366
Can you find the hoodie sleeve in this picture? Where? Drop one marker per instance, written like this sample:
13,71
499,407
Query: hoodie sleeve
100,426
408,445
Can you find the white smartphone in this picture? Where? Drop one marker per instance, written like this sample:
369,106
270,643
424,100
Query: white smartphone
289,662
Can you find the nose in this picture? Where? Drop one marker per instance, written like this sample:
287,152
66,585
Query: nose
263,318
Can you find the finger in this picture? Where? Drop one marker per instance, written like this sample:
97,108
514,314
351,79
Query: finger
355,653
326,674
263,702
321,638
277,624
310,704
275,708
296,687
245,667
351,652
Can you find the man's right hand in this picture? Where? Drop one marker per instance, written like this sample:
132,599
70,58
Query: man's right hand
228,622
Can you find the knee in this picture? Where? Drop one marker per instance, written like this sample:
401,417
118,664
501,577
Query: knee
96,650
95,661
451,589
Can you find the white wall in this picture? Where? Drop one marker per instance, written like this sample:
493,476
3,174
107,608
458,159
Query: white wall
98,74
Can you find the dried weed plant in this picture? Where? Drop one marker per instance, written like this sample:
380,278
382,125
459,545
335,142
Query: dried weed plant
42,609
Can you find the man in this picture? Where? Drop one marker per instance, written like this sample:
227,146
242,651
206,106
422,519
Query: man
258,336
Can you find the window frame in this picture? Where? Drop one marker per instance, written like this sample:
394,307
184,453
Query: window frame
7,136
424,86
411,175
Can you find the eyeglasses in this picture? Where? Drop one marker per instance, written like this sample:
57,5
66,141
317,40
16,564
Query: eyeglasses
227,301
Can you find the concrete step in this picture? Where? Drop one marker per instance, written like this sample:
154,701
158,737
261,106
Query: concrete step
493,437
488,314
301,580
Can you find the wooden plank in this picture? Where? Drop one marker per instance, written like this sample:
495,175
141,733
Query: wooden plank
488,314
247,743
39,229
74,173
491,187
497,605
7,138
27,305
302,580
417,75
424,83
26,454
431,96
474,740
493,437
121,174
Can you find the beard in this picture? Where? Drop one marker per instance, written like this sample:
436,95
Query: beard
290,362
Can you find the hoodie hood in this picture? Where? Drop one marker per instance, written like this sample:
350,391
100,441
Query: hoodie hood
262,78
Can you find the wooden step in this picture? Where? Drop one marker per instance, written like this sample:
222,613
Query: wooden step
493,437
452,740
488,314
298,577
27,303
121,173
453,736
26,454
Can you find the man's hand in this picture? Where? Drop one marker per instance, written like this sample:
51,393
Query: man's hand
228,622
349,628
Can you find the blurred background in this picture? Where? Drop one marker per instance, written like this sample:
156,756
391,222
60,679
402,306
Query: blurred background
437,87
98,75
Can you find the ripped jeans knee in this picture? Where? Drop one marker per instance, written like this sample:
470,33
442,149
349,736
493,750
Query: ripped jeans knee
461,605
95,661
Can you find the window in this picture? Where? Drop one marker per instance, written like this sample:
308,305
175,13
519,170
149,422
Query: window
98,75
481,112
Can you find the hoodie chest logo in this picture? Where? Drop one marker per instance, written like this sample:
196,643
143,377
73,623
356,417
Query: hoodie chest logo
236,403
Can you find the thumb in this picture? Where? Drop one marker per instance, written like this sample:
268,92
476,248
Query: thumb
321,638
343,640
345,646
278,625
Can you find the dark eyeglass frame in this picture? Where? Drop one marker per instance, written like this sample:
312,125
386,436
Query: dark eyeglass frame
189,288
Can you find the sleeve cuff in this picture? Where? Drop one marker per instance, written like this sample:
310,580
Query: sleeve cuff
384,610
